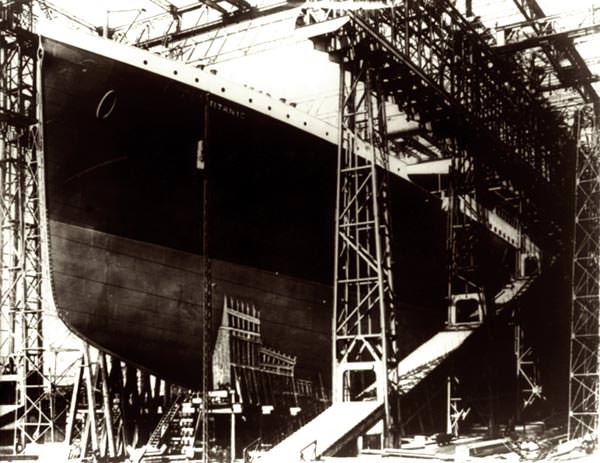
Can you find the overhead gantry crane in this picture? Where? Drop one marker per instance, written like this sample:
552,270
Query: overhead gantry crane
506,150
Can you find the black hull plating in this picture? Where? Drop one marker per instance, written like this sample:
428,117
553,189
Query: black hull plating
125,207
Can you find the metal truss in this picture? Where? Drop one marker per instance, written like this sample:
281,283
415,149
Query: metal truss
540,40
528,386
506,147
560,51
21,291
573,20
159,29
454,411
52,11
218,44
442,73
173,29
584,384
364,328
464,225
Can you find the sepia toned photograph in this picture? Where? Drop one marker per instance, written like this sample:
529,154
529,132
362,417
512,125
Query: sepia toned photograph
284,231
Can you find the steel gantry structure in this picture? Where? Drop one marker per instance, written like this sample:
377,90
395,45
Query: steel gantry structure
559,50
364,322
21,290
507,149
584,380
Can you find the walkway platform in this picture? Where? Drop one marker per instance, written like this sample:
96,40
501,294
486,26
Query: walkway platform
327,433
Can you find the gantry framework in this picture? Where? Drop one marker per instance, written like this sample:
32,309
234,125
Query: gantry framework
180,23
443,75
507,148
364,327
201,34
584,384
463,230
551,47
504,142
559,50
21,290
452,83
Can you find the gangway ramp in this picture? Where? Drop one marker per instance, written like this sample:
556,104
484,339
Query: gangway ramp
413,368
423,360
344,421
327,433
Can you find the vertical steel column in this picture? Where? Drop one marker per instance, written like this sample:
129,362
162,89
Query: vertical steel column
21,346
528,387
364,320
584,375
207,289
232,430
454,412
463,215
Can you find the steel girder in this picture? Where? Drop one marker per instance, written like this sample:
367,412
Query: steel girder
527,376
207,299
22,345
564,49
178,26
465,216
364,323
584,374
443,74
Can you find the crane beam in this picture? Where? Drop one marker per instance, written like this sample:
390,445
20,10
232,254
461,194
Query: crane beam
532,12
552,39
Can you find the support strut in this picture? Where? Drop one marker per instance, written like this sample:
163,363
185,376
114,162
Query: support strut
364,320
21,310
584,374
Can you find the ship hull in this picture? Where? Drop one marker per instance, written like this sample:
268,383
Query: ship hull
126,154
144,302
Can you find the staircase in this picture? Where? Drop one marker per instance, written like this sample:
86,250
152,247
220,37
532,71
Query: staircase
163,425
327,433
174,435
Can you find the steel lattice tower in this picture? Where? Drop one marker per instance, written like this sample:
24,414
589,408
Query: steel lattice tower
364,321
584,375
22,343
